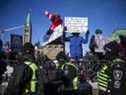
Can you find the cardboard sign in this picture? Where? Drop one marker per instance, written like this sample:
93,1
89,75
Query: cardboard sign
76,24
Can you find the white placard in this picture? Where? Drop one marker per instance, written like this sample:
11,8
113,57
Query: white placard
76,24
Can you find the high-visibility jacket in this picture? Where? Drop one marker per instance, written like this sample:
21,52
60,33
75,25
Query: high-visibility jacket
74,78
31,87
103,78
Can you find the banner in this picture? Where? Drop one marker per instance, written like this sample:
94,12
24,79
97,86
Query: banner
58,32
76,24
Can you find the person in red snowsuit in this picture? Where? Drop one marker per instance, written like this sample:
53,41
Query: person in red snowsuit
56,21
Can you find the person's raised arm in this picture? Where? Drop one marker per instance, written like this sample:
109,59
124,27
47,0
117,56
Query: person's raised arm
68,37
86,37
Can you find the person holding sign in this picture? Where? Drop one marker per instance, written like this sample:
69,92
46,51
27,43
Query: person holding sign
76,41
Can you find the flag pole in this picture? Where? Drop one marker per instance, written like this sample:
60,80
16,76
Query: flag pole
63,38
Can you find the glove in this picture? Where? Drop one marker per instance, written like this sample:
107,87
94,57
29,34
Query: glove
87,33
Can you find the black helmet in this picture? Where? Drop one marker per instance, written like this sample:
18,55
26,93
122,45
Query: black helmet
28,48
61,56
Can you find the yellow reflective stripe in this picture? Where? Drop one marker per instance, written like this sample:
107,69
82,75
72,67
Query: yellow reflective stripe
104,82
34,79
34,68
62,66
102,88
104,75
105,79
71,64
102,71
105,67
33,86
75,83
68,64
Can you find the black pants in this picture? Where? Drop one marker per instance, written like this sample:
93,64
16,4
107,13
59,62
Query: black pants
51,89
70,92
99,55
102,92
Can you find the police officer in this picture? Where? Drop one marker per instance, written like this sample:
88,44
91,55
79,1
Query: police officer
104,74
30,86
68,74
116,53
61,59
53,83
118,72
70,79
25,77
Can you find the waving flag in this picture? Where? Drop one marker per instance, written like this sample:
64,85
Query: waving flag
58,32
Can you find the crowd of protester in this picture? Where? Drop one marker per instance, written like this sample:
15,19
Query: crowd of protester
26,74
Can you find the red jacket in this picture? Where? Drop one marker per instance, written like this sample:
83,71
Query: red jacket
55,19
